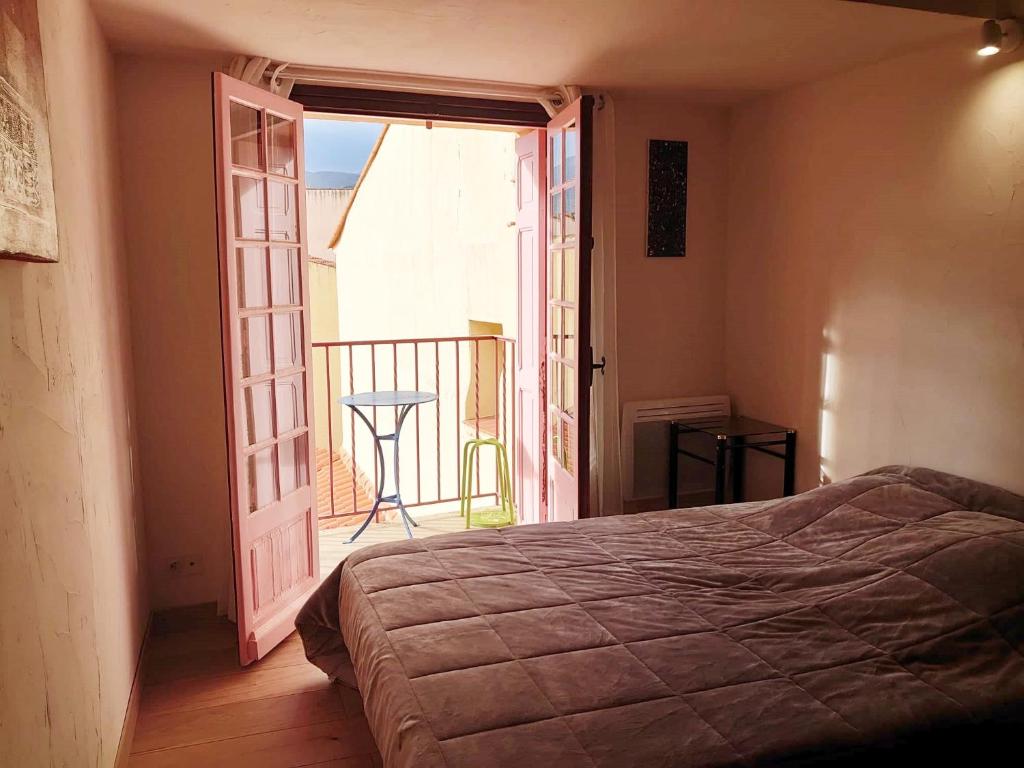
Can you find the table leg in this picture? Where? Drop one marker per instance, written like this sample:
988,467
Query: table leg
673,466
406,517
720,451
789,476
738,458
380,486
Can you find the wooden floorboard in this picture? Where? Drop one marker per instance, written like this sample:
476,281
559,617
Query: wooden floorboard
200,708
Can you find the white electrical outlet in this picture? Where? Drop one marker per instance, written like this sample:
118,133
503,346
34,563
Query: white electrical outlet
185,565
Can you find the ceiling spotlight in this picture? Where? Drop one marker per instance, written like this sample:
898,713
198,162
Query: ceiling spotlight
999,36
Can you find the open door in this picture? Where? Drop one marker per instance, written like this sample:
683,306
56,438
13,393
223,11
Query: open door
531,462
266,340
569,356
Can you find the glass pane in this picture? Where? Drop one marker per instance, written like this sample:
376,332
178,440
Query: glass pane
554,385
568,389
281,138
284,276
555,278
556,330
291,403
246,138
255,345
570,154
262,470
566,459
569,333
571,276
556,437
252,277
284,212
570,213
556,159
259,413
294,461
250,219
555,218
287,340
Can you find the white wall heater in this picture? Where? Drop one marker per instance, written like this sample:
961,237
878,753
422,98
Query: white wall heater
645,443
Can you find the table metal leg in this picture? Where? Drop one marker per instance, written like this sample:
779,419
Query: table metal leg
789,475
380,486
738,461
396,498
673,466
720,451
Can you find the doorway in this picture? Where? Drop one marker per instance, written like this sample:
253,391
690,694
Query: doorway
269,353
413,263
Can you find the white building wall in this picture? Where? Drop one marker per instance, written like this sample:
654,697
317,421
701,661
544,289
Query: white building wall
430,241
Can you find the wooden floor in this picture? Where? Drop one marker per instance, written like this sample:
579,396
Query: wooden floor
198,708
333,548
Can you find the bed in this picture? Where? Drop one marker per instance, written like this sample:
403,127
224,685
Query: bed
881,615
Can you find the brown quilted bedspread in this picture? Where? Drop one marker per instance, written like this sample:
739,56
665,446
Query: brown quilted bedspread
883,611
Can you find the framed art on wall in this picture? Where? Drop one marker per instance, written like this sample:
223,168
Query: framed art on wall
666,197
28,219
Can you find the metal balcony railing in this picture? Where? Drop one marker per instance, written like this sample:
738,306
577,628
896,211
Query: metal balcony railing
474,378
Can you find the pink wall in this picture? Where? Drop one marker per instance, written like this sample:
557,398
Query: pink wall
72,587
670,311
875,272
166,135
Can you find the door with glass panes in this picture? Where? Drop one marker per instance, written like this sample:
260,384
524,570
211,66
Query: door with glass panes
266,341
569,356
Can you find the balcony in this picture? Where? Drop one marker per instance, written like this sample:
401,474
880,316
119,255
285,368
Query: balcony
474,378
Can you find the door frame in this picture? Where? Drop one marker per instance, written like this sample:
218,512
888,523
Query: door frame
515,114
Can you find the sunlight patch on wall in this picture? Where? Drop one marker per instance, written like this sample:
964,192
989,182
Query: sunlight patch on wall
826,415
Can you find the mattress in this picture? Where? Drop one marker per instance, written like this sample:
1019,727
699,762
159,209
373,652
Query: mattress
881,615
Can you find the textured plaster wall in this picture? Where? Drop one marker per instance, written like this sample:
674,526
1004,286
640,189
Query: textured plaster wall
166,141
72,587
670,310
876,266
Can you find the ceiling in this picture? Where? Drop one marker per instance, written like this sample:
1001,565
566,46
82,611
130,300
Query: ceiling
722,50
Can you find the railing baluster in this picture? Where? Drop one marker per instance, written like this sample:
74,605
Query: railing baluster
437,412
497,435
458,420
476,395
394,371
373,388
416,386
352,430
330,429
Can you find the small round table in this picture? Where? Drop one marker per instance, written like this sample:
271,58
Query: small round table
405,401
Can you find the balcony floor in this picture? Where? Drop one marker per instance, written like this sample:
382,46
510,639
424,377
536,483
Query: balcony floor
333,548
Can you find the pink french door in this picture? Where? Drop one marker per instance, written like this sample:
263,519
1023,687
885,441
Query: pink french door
266,341
569,356
531,409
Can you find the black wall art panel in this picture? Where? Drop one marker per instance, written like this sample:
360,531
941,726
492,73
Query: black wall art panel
666,198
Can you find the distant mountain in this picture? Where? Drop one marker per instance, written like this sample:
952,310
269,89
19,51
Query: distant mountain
331,180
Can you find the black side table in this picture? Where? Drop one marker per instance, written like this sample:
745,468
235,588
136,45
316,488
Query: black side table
732,436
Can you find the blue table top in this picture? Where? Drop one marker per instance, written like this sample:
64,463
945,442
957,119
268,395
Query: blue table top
368,399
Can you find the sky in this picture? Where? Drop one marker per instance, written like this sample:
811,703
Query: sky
338,145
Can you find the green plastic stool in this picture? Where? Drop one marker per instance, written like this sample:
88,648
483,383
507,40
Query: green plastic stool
494,516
